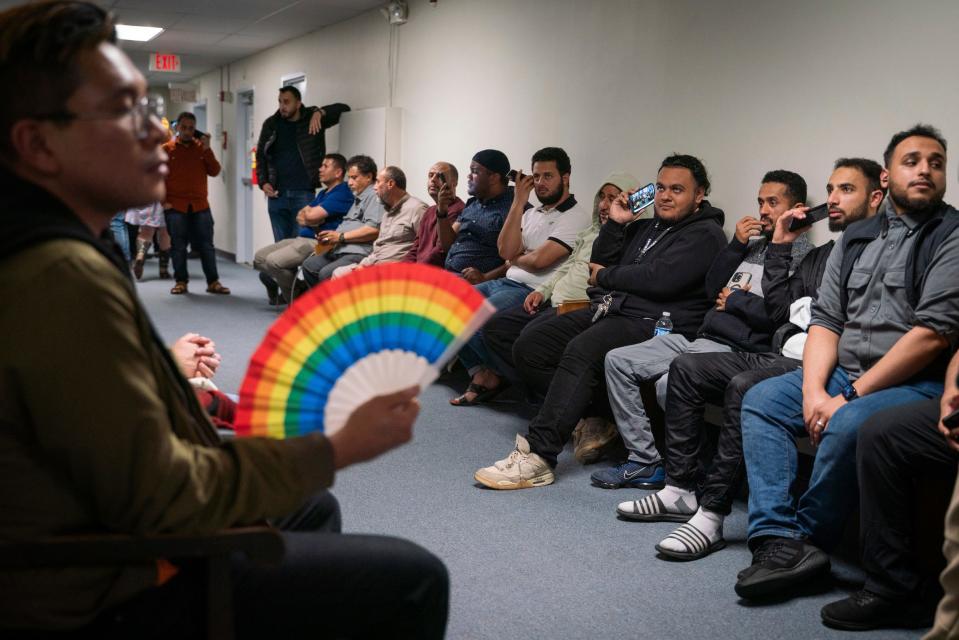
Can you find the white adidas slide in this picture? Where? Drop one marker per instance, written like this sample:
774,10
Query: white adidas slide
651,509
694,542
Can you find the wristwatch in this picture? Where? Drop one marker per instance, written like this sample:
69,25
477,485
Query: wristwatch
849,393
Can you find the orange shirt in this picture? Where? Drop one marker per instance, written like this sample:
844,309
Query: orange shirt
190,164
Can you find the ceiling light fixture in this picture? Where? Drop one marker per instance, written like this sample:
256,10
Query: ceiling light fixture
137,33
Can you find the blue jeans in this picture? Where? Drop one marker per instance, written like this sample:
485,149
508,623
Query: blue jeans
195,228
283,210
119,229
772,418
502,293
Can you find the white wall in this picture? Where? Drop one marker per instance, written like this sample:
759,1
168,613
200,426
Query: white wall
747,86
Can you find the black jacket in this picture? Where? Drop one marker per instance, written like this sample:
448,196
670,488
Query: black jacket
312,148
744,323
669,277
781,289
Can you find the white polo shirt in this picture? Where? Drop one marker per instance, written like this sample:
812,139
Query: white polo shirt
561,224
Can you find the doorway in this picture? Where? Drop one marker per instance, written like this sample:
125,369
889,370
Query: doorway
243,150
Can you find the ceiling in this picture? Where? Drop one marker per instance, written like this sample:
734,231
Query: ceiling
207,34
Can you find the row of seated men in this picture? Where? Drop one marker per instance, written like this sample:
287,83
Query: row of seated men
874,316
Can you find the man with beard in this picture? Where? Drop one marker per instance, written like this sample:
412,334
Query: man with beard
288,157
854,193
884,323
638,270
534,242
739,321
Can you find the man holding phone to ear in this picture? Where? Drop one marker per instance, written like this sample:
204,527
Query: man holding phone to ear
883,324
441,181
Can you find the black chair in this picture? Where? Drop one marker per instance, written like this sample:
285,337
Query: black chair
260,544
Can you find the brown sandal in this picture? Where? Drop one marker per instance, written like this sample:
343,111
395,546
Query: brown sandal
178,289
216,287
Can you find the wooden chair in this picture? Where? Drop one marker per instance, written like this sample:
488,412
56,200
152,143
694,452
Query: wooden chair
260,544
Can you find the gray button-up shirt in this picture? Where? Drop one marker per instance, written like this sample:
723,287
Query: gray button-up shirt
367,211
878,313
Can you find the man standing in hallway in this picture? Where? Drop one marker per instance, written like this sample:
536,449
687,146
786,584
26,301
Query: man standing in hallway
188,216
288,157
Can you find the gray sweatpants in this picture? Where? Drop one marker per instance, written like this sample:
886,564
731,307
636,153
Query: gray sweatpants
627,368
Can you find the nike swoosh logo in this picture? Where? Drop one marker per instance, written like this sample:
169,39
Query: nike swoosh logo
630,476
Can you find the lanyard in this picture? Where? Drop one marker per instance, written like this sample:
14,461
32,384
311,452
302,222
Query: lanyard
651,242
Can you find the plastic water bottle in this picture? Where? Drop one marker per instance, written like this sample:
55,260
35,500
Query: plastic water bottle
664,325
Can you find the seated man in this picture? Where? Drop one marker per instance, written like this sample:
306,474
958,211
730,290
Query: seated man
99,431
738,322
352,240
398,226
895,448
428,249
534,242
886,312
277,263
854,193
470,240
639,270
562,293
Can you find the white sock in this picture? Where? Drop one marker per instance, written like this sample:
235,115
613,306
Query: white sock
708,522
678,500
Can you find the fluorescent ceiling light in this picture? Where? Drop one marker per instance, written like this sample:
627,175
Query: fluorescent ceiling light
139,34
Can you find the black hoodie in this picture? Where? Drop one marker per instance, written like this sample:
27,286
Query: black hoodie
671,276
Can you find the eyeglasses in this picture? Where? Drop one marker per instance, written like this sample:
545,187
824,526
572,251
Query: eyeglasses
145,112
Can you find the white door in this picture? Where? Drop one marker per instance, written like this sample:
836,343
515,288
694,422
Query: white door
246,139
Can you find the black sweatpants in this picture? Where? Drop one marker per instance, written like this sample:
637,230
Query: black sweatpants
696,379
502,331
895,448
562,360
328,585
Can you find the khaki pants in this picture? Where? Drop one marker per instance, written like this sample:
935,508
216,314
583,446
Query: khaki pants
947,615
281,260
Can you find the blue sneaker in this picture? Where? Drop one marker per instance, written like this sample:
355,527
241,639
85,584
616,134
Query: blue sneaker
632,475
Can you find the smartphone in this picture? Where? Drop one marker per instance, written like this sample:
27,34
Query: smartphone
642,198
198,134
814,215
512,175
951,421
441,177
740,280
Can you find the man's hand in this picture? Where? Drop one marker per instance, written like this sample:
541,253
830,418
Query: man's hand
524,187
444,198
269,190
532,302
593,270
748,227
724,295
473,275
196,355
781,232
818,408
328,237
205,141
948,404
619,210
375,427
301,216
316,122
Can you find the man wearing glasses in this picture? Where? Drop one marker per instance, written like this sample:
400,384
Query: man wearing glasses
99,431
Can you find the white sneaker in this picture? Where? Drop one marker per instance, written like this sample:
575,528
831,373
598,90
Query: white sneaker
520,470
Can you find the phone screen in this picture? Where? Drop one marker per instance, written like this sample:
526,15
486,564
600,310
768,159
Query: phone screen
642,198
814,215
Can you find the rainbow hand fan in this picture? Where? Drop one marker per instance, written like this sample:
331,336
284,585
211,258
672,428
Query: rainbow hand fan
375,331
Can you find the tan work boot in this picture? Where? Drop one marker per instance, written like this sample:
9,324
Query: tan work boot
140,258
594,434
520,470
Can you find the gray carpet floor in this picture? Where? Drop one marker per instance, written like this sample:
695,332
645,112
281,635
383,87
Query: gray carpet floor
553,562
